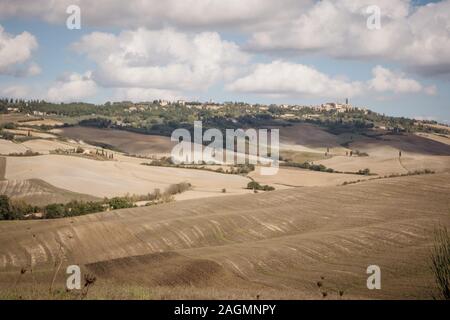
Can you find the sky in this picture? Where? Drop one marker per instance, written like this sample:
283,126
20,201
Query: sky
391,56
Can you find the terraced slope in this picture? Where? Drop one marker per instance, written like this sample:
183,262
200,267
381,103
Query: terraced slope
275,244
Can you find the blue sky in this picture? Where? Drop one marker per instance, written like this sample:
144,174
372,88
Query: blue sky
299,52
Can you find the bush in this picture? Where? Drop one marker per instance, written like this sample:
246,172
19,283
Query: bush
9,125
71,209
55,210
120,203
364,172
7,135
5,207
361,154
177,188
21,209
79,150
16,210
27,153
440,262
256,186
309,166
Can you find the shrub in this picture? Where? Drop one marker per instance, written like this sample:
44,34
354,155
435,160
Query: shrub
9,125
361,154
120,203
177,188
7,135
364,172
5,207
256,186
27,153
55,210
21,209
79,150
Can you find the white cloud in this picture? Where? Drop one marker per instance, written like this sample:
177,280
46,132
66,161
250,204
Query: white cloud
158,14
280,78
385,80
417,37
72,87
15,52
141,94
164,60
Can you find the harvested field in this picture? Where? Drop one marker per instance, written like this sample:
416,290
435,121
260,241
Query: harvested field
45,146
170,269
418,153
7,147
295,177
129,142
308,135
40,193
14,118
42,122
442,138
301,157
116,178
276,244
408,143
387,166
31,133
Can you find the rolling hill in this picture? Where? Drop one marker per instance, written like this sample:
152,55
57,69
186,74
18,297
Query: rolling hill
276,244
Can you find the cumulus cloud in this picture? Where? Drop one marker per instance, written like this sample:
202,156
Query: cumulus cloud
141,94
418,37
72,87
15,53
281,78
164,60
387,80
156,13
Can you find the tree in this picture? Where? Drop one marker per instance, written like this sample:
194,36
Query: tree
5,208
54,210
